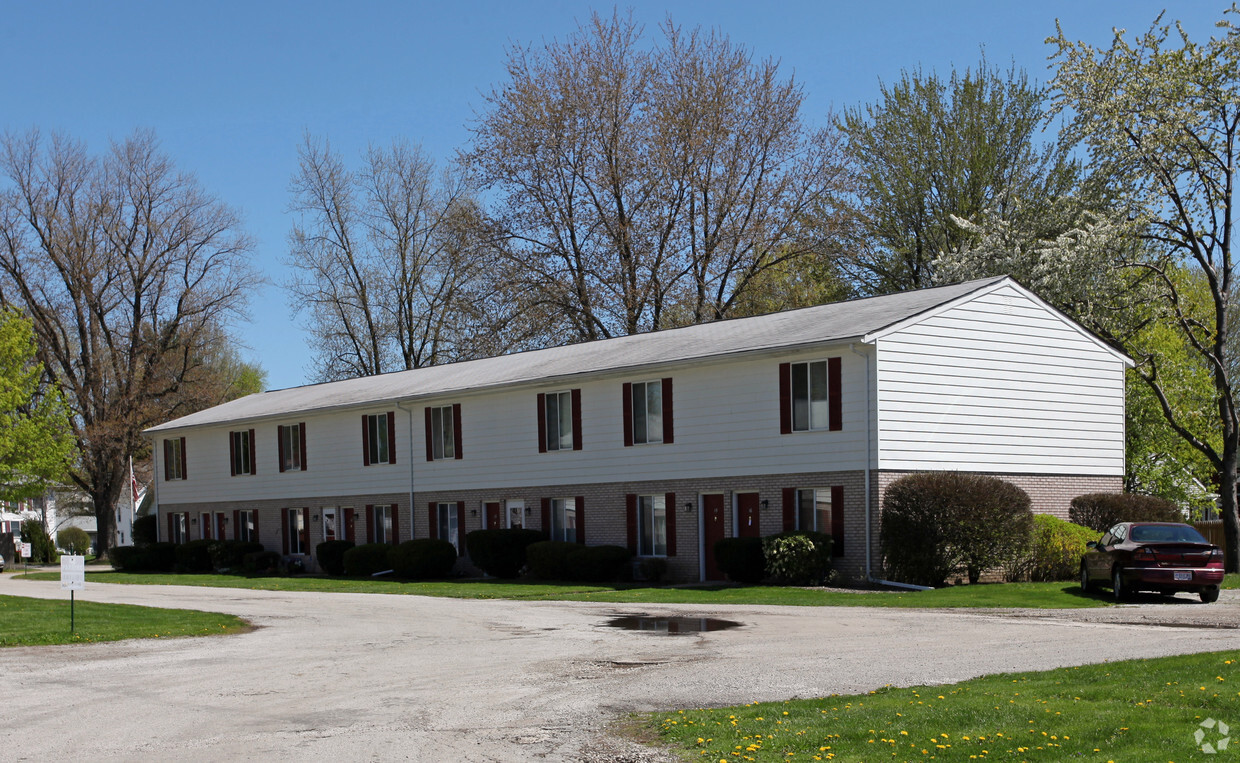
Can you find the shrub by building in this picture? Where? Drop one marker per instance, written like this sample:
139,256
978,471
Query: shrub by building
1102,511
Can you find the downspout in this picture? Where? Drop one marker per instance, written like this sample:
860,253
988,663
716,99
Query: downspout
870,424
412,511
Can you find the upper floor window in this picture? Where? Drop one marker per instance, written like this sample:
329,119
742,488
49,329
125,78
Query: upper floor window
559,421
379,438
174,459
241,452
291,440
648,412
809,396
443,432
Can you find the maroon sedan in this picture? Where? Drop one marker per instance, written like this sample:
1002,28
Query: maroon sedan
1153,556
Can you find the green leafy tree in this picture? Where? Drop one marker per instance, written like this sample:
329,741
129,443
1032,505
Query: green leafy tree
74,540
1159,116
42,550
36,439
934,148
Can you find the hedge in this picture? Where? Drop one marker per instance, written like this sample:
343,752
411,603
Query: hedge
156,557
741,559
194,556
367,559
598,564
1055,551
422,559
330,554
229,555
1102,511
501,553
548,559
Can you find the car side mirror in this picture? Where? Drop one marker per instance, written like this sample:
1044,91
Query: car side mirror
1092,544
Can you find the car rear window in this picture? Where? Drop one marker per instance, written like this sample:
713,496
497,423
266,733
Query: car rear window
1165,534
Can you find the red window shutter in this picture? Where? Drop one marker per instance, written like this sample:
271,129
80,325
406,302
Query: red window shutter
835,404
581,519
790,509
430,445
628,414
305,530
785,398
391,427
432,516
546,517
232,454
184,472
669,502
370,523
167,465
542,423
171,523
280,446
630,520
253,454
460,528
349,531
456,430
236,524
837,520
284,529
576,396
365,441
301,440
669,430
254,535
395,524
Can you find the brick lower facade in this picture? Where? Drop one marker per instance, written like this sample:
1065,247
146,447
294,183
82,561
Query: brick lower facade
605,513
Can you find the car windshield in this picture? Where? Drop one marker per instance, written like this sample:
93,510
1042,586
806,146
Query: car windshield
1165,534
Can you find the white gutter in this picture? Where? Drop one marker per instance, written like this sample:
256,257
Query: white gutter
412,511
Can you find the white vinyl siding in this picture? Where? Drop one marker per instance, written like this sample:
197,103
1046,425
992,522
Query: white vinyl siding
999,384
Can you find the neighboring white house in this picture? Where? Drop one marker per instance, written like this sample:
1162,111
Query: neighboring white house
669,440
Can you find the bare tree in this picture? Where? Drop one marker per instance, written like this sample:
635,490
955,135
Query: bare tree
126,267
386,261
644,187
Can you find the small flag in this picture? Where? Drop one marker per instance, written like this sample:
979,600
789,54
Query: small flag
133,483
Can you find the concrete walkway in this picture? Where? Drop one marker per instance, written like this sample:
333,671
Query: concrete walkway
383,677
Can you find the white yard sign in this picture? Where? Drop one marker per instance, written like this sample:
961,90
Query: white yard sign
27,552
72,573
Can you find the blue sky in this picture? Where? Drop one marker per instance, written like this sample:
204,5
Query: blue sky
230,87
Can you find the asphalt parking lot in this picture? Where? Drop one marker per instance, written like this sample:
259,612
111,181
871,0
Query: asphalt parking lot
379,677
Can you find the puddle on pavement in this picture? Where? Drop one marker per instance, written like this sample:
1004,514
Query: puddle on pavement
672,626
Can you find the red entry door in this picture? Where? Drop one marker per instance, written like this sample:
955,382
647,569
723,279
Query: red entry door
220,521
712,530
748,520
494,518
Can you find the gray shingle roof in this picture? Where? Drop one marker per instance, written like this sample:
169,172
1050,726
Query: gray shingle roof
807,326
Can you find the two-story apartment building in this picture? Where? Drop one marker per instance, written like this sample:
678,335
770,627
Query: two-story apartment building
667,441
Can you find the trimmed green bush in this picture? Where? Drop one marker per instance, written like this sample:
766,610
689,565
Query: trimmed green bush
422,559
598,564
127,558
161,557
741,559
938,523
367,559
229,555
501,553
74,540
155,557
548,559
797,558
1102,511
330,554
146,530
42,550
1055,551
262,562
194,556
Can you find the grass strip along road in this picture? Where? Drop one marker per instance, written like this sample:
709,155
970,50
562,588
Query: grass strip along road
37,622
1144,710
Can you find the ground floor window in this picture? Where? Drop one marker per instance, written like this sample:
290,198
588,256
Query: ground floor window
331,526
564,519
448,528
178,527
651,525
515,514
295,531
247,525
814,510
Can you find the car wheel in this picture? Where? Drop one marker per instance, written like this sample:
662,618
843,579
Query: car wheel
1117,586
1209,595
1086,584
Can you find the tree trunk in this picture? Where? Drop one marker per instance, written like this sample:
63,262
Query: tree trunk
1227,509
105,518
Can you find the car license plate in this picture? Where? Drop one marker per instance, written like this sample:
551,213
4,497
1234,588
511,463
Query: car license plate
1183,576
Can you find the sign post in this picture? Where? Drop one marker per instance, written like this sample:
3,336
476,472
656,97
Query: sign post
72,578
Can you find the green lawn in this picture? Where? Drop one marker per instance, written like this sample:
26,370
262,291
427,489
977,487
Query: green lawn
1032,595
1137,710
30,622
